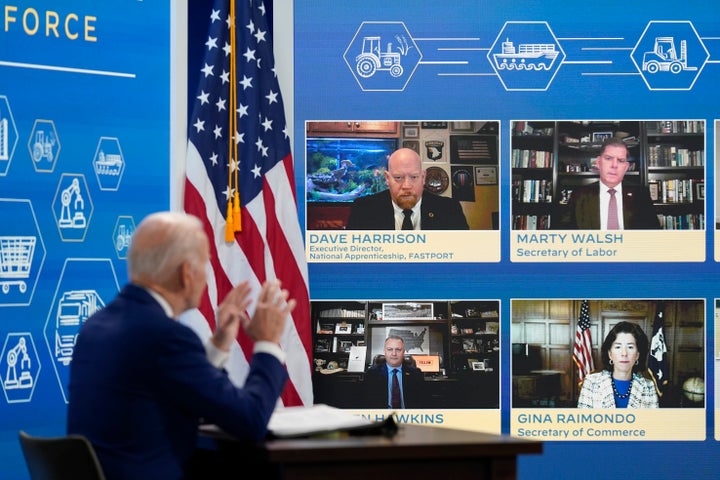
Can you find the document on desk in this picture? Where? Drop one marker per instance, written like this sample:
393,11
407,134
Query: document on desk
291,422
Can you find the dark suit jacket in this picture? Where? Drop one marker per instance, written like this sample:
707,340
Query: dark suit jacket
140,382
583,210
375,212
376,387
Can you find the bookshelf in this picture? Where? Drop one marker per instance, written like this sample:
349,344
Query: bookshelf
474,333
337,327
676,172
533,165
666,156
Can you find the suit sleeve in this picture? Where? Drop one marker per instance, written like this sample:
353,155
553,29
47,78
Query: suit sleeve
644,213
585,400
458,219
191,380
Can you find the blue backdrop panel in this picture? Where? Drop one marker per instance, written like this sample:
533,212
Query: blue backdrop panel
84,155
461,61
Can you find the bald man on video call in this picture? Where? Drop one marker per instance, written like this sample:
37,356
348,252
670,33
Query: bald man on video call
406,196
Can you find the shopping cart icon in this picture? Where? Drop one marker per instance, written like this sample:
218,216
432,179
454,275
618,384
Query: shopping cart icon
16,254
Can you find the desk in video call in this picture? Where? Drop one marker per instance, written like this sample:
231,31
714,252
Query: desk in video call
416,452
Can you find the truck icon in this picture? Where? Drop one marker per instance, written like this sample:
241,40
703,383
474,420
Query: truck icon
74,308
372,59
664,57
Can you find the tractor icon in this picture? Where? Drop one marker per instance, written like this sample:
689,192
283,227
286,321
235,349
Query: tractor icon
124,237
664,57
373,59
43,146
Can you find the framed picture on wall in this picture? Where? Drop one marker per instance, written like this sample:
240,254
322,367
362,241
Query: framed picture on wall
408,311
411,132
486,176
412,144
461,126
434,125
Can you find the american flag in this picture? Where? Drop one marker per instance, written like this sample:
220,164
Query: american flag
269,244
582,351
657,363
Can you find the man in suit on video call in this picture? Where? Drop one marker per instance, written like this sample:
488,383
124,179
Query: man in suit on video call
591,207
405,205
379,379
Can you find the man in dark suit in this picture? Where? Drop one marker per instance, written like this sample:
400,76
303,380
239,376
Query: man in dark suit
379,379
590,207
140,381
406,197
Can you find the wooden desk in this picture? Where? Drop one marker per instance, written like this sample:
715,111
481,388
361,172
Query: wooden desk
416,452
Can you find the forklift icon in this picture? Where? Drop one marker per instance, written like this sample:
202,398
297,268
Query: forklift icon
665,58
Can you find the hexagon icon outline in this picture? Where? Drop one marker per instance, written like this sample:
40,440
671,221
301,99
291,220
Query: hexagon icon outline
25,261
122,235
11,380
72,221
41,145
376,57
108,163
71,307
7,152
519,53
657,59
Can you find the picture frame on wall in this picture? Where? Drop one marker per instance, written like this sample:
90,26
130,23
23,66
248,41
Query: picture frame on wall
412,144
486,176
408,311
434,125
411,132
461,126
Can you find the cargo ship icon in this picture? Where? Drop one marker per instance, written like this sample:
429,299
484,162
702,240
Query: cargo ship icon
527,56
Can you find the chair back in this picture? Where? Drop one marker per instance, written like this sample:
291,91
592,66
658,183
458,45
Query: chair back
60,458
408,361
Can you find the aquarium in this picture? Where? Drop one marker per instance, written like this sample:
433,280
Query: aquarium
339,170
